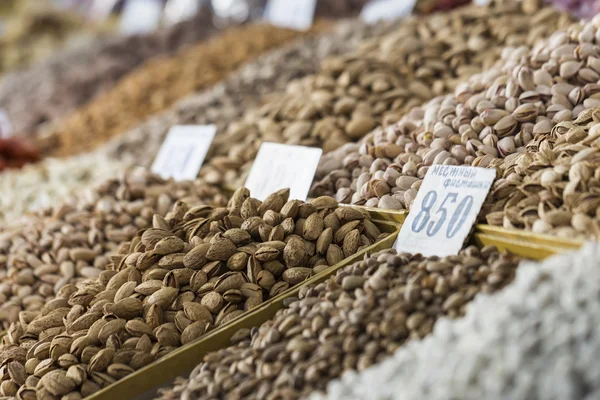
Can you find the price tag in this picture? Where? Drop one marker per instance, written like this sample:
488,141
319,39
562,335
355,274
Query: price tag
278,166
6,128
386,10
445,209
292,14
140,16
183,151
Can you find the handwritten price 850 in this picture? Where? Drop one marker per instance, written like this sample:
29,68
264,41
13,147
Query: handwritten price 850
433,223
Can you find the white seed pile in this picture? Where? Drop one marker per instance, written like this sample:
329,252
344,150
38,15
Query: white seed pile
537,339
41,185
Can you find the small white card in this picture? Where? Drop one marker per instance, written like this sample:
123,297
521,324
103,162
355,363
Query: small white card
377,10
140,16
445,209
183,151
278,166
292,14
6,128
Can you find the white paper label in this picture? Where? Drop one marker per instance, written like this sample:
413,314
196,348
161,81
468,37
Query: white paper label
292,14
445,209
140,16
377,10
6,128
278,166
183,151
481,2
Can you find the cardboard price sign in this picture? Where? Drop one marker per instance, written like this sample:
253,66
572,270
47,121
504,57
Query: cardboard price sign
445,209
279,166
183,151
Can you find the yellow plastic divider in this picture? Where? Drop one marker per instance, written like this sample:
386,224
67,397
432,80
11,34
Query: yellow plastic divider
531,251
529,238
182,360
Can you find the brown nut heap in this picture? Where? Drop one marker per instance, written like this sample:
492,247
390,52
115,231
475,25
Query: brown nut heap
356,318
489,117
50,252
193,270
377,83
553,187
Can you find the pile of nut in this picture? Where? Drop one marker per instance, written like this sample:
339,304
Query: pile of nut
376,84
68,79
74,240
246,88
554,186
47,182
194,269
356,318
37,29
536,339
489,117
159,83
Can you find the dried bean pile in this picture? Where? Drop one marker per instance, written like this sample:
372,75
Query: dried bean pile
554,186
73,241
489,117
69,79
537,339
194,269
355,319
159,83
376,84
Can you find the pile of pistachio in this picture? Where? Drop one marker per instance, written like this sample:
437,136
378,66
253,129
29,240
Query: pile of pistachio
491,116
193,269
426,56
554,186
355,319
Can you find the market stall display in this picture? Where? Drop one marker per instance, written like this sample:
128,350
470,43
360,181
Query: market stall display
453,149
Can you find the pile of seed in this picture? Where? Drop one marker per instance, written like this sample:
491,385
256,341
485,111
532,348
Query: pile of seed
70,78
376,84
552,187
159,83
73,241
537,339
226,102
489,117
194,269
42,185
355,319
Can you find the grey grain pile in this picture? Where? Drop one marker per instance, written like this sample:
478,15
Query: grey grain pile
537,339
